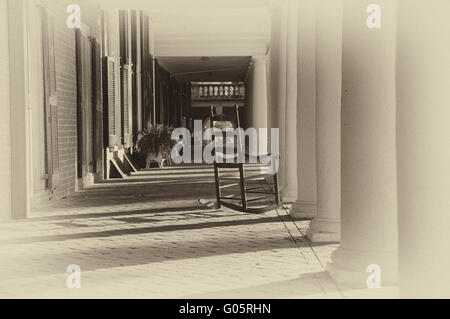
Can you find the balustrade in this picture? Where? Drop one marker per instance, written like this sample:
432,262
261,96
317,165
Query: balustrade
216,90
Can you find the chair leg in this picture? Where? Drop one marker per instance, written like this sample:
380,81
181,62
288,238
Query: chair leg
243,188
277,189
218,194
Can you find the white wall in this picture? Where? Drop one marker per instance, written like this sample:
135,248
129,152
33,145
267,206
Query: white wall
5,136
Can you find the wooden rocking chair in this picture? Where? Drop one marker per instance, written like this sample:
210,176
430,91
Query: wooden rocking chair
253,190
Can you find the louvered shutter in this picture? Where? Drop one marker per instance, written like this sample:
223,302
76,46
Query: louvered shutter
148,79
112,99
127,102
98,110
51,108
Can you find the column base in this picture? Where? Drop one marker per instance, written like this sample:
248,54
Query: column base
349,269
304,210
289,196
324,231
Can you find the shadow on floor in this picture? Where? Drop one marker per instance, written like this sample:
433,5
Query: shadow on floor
308,284
137,212
140,253
142,230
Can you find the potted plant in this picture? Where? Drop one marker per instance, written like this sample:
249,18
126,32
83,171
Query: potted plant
156,144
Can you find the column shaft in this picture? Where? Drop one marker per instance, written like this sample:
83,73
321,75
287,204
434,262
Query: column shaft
326,226
258,92
282,82
423,82
368,180
289,192
5,118
306,204
19,103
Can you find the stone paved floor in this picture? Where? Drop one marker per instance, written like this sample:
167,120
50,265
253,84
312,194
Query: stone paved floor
150,237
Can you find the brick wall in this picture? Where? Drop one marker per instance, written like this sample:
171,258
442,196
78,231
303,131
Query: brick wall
5,136
66,82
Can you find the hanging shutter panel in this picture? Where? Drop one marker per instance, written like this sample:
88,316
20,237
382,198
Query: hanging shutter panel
151,94
118,106
84,132
145,92
98,109
111,103
127,101
112,99
51,108
138,74
146,76
130,104
147,87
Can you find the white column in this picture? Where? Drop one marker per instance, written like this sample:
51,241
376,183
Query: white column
5,118
273,71
281,89
368,187
19,100
423,91
258,93
306,204
289,193
326,226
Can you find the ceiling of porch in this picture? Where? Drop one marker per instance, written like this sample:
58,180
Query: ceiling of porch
206,69
205,27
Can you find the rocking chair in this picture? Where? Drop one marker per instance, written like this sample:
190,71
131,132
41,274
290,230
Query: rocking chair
252,188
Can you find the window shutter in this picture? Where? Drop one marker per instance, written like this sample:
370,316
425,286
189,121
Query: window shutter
151,75
98,109
147,72
118,106
127,102
147,87
85,103
50,90
137,74
112,99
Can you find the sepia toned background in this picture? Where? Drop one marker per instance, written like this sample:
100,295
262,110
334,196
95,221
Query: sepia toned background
363,111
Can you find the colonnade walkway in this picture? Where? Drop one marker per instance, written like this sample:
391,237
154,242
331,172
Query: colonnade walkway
150,236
